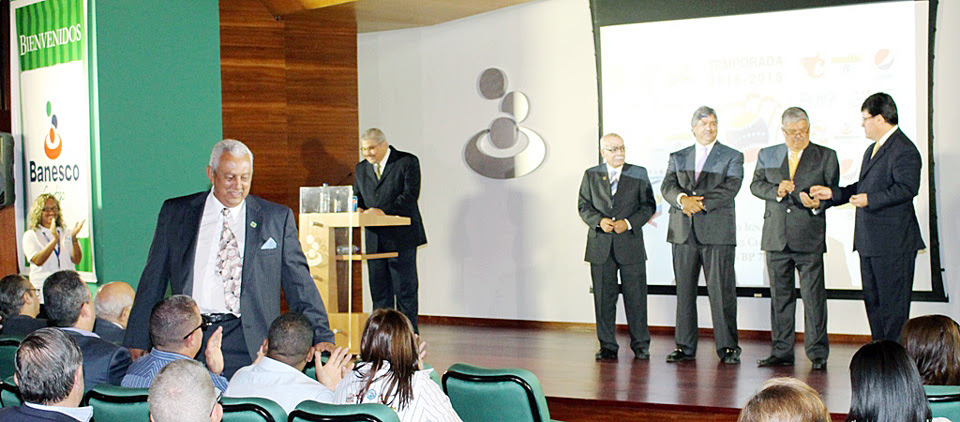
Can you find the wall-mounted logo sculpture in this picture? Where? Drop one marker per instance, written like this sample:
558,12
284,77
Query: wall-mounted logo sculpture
505,150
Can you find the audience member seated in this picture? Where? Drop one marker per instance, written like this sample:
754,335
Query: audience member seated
785,400
19,306
49,374
278,374
183,392
113,303
391,372
933,342
70,306
886,386
176,331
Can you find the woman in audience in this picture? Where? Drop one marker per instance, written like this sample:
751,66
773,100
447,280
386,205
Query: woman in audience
46,243
785,400
390,372
933,342
886,386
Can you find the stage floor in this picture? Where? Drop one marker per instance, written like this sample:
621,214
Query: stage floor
563,359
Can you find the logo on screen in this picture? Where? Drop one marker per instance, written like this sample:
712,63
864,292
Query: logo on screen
53,143
883,59
505,150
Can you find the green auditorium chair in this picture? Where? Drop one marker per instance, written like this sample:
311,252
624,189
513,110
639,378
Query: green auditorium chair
118,404
944,401
482,394
251,409
311,411
9,393
8,352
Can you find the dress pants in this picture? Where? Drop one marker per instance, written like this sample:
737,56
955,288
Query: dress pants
233,346
717,264
605,292
783,303
394,283
887,288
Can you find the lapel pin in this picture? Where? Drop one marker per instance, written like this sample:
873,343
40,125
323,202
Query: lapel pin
253,224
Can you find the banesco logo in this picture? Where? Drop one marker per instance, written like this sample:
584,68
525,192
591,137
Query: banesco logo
53,143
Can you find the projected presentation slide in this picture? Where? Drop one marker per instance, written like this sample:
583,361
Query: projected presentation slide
750,68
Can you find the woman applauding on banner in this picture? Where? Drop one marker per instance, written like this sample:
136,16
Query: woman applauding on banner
46,244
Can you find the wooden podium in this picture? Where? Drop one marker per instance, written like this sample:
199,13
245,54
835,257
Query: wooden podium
340,280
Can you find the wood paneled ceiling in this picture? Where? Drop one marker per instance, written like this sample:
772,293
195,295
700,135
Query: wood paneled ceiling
386,15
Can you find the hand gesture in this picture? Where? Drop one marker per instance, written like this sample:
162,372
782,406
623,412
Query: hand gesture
331,373
76,228
691,204
421,352
859,200
808,201
821,192
785,188
606,225
56,233
213,354
620,226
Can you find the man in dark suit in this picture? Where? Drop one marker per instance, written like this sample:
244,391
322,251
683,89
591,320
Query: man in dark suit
794,236
19,306
616,200
886,232
113,303
70,307
50,379
700,184
388,183
232,253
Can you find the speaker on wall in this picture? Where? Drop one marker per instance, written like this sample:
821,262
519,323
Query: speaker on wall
6,169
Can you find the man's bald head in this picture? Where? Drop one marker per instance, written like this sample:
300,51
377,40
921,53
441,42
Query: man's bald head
113,302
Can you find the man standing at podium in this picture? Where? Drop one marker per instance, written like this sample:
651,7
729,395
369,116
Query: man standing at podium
388,183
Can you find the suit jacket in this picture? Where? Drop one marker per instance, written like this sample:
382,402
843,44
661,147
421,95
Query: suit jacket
103,362
21,325
396,193
265,271
108,331
719,182
891,179
633,202
787,222
25,413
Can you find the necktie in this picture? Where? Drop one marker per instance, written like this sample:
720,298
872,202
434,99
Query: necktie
700,162
793,161
229,266
376,170
614,181
876,147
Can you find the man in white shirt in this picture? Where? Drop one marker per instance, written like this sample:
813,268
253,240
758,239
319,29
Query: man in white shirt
278,375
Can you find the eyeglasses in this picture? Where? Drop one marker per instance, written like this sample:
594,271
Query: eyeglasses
203,326
620,148
51,209
370,148
796,133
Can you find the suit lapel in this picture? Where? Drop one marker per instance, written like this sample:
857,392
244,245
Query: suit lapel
388,167
252,242
689,165
603,186
712,157
191,231
784,152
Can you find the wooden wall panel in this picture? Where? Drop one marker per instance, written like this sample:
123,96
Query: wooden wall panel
290,93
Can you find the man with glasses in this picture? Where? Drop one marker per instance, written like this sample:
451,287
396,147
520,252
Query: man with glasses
182,392
794,236
387,182
616,200
19,306
176,330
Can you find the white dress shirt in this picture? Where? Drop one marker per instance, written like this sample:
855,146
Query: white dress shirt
277,381
383,162
883,139
618,172
428,403
207,284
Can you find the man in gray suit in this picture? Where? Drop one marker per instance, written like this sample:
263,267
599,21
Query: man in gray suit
700,184
794,236
616,200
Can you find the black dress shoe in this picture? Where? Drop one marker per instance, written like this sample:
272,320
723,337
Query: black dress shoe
774,361
679,356
642,354
731,356
819,364
606,354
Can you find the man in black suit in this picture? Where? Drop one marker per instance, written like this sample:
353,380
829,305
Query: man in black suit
50,378
113,303
616,200
700,184
388,183
232,253
19,306
70,307
794,236
886,232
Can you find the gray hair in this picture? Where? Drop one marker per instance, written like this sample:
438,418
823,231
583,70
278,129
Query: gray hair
64,293
182,392
231,146
702,113
46,366
794,114
113,305
373,134
171,319
609,135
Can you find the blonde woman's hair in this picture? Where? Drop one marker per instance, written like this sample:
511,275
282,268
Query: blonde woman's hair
36,211
785,400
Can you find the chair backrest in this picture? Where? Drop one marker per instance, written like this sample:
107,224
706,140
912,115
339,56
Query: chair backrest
482,394
944,401
312,411
8,354
9,393
251,409
118,404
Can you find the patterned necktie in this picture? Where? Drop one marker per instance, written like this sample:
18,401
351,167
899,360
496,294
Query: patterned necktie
614,181
793,161
229,266
700,162
376,170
